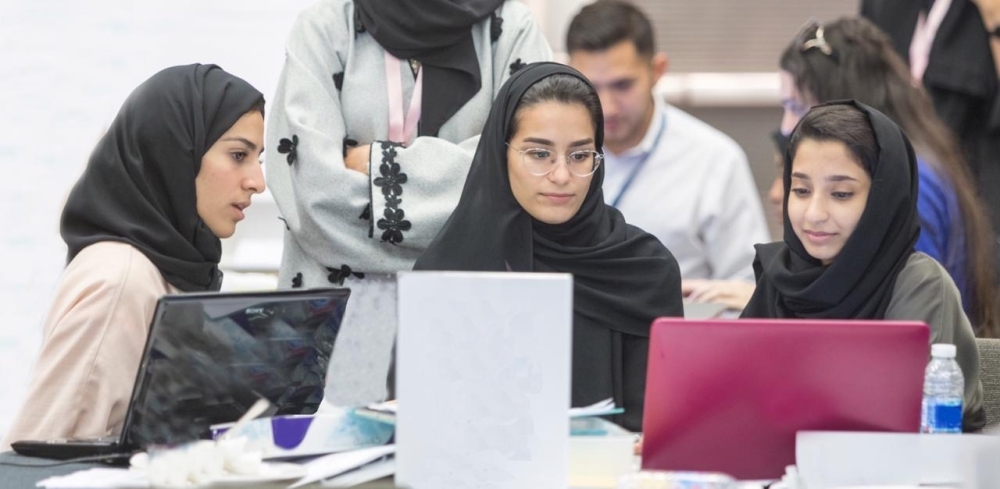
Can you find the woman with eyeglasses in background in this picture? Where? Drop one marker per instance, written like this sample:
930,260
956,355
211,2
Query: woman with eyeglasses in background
852,59
533,203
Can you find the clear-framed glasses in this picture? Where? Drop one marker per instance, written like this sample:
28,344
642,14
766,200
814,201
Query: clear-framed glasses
812,36
541,161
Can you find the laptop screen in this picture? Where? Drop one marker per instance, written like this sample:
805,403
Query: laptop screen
209,357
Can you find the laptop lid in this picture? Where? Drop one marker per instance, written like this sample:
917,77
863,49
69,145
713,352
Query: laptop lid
210,356
729,396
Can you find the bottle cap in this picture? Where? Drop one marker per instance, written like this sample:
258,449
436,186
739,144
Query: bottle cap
943,350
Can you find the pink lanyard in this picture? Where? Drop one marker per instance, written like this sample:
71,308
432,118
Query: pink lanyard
400,130
923,37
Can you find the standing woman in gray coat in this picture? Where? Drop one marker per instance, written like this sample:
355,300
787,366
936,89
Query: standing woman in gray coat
375,122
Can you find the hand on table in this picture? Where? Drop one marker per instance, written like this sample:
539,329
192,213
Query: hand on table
733,293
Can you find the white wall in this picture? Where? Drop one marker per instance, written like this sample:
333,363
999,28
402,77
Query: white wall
65,68
554,17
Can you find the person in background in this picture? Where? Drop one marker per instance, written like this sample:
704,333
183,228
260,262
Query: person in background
776,194
174,173
952,48
533,202
851,59
735,294
989,13
375,120
850,226
671,174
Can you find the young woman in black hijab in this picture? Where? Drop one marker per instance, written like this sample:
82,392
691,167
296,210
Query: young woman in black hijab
533,203
850,220
172,176
850,58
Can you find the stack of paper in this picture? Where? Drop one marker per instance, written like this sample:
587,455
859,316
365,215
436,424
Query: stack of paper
386,411
350,468
603,408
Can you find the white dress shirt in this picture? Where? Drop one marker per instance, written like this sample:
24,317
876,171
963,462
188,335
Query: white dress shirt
691,187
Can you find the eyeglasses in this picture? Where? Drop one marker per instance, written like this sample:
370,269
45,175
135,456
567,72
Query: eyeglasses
541,161
811,36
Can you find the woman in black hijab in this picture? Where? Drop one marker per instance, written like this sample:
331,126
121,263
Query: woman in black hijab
850,225
172,176
533,203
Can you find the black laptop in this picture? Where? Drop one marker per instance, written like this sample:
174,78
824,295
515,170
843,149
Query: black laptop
209,357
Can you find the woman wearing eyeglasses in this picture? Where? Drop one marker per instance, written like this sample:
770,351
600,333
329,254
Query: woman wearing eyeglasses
533,203
851,59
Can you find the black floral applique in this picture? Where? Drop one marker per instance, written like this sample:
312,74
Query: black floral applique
367,213
393,225
348,144
391,181
338,80
389,153
337,276
516,66
496,26
288,146
297,281
287,227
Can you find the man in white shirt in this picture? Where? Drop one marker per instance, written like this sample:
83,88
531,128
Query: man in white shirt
669,173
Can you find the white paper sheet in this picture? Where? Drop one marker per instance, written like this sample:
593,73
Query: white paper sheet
834,459
983,467
338,463
600,408
483,372
371,472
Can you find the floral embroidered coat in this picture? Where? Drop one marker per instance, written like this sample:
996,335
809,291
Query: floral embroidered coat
343,228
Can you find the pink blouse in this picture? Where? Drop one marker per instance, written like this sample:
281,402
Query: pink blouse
94,335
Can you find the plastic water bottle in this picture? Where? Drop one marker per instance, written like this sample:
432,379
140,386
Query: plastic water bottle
944,387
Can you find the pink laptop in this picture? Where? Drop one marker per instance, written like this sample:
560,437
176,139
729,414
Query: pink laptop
729,395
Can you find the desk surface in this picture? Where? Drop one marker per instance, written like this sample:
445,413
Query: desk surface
18,477
30,470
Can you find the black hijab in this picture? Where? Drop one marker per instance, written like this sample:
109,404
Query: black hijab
438,34
623,277
858,283
139,185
